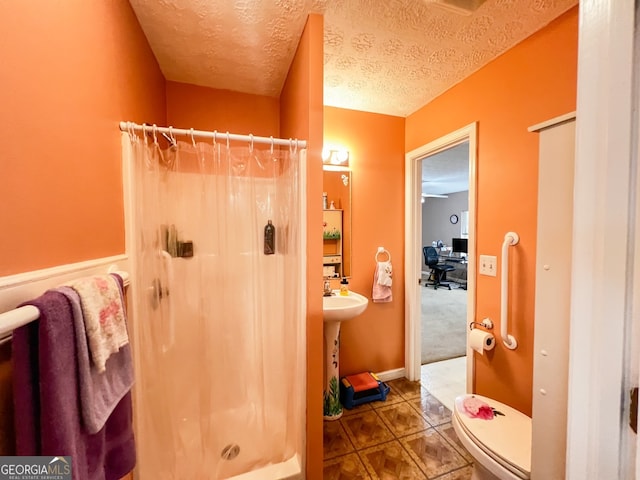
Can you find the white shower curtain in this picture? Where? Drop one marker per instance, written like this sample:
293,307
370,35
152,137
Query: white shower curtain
218,336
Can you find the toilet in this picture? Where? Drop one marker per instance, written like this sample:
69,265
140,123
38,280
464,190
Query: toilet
497,437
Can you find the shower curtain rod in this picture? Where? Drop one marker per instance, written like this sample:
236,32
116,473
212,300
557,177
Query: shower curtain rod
218,136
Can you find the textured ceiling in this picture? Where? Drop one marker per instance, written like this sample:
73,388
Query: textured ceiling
388,57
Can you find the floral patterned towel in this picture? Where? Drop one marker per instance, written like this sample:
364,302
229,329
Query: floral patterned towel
385,273
381,293
104,316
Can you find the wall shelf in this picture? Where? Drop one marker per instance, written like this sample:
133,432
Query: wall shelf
332,243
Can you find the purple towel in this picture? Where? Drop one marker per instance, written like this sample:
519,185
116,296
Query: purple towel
100,392
46,399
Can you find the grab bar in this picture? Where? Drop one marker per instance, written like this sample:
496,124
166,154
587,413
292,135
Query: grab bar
511,238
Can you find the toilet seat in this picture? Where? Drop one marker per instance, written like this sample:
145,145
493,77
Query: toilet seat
501,432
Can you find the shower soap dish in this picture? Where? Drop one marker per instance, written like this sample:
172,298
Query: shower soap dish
362,388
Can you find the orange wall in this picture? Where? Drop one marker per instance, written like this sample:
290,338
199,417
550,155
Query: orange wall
203,108
534,81
301,117
374,340
70,72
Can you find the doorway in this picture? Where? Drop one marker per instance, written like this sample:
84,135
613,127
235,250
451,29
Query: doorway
443,298
414,260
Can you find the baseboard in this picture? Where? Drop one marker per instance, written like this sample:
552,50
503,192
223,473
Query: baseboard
391,374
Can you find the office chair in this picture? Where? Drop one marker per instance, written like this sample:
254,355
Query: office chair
438,270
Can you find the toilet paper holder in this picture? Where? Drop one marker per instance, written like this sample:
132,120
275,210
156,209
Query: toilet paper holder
486,323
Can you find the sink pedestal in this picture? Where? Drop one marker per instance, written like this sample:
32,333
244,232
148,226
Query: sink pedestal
335,310
332,406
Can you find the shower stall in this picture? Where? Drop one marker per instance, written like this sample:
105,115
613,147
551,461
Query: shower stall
217,303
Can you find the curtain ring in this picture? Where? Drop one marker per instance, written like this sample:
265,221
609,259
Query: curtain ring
271,145
227,139
250,143
173,139
215,134
290,145
193,139
296,150
155,137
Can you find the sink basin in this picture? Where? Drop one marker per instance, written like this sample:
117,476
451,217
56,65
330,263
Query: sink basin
338,308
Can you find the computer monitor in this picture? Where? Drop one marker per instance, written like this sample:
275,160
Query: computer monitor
459,245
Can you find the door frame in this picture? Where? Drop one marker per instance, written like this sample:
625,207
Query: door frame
413,244
605,210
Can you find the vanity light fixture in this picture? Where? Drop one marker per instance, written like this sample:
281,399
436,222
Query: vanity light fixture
335,159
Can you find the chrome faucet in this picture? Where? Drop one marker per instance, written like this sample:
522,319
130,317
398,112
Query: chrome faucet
327,288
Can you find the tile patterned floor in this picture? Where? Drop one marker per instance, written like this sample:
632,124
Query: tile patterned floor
407,437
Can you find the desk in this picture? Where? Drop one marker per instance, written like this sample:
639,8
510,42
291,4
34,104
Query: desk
459,275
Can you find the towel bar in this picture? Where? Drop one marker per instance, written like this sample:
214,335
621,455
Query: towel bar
20,316
383,251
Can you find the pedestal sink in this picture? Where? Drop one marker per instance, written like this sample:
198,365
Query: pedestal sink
337,309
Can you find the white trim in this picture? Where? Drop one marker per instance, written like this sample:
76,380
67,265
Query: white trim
389,375
552,122
302,338
600,285
413,240
15,289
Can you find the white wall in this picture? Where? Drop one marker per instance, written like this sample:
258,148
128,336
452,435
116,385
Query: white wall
435,217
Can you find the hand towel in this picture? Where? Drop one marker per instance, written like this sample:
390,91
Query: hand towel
384,273
380,293
99,392
103,314
47,416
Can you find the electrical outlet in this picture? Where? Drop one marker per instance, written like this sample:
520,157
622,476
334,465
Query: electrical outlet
488,265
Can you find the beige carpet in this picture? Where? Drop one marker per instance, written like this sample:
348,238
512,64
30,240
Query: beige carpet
444,324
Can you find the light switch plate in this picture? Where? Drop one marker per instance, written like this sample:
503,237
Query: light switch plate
488,265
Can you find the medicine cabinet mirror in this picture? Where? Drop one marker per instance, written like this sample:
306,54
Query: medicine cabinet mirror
337,224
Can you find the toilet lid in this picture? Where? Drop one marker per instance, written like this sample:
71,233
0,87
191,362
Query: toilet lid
500,430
